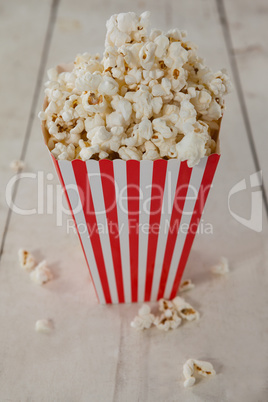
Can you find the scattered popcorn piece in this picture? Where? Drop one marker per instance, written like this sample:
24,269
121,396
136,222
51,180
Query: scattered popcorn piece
189,382
144,319
193,367
186,285
169,318
149,87
222,268
41,274
45,326
26,260
165,305
17,165
185,310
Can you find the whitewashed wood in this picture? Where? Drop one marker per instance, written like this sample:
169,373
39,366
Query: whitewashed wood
20,54
93,354
248,28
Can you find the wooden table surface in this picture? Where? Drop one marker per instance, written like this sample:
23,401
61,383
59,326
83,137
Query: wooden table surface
93,354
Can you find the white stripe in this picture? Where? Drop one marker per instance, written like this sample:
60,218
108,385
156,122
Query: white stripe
120,178
192,193
73,194
146,172
173,168
100,212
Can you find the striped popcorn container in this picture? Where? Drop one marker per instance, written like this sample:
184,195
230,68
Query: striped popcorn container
136,221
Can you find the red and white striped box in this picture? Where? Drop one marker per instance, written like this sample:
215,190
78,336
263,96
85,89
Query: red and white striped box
136,221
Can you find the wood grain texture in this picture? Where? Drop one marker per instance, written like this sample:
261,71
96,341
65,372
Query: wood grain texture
93,354
21,53
244,27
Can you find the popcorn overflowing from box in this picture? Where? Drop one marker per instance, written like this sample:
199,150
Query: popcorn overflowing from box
134,133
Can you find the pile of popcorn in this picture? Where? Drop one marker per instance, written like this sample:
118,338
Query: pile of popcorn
171,315
150,97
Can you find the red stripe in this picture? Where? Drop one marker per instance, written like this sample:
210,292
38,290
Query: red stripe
198,209
56,164
81,177
178,205
158,185
133,195
108,187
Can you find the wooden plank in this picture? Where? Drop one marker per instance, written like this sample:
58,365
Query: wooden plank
22,53
93,353
245,27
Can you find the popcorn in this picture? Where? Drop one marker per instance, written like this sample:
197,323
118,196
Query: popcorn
127,153
160,126
163,89
79,127
93,122
149,87
52,74
151,152
222,268
125,27
100,135
186,285
193,367
87,152
176,55
144,319
116,36
169,318
88,81
162,43
41,274
172,313
114,119
45,326
147,55
26,260
133,76
145,129
218,83
17,165
108,86
124,107
194,145
185,310
63,152
142,104
187,117
94,102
